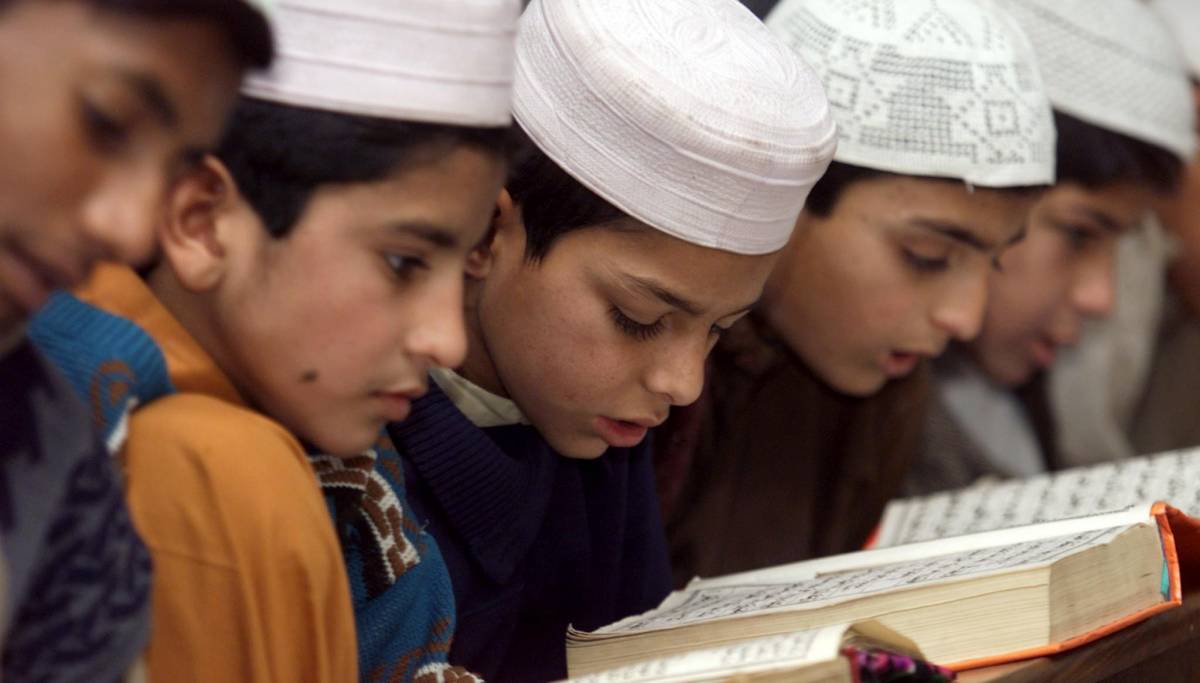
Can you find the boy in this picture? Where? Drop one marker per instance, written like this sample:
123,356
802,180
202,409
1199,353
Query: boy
1125,120
1138,365
671,146
814,402
102,102
311,273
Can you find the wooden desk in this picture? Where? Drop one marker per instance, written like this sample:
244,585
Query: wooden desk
1163,648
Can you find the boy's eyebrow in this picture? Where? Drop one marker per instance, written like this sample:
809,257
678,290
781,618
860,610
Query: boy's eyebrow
961,234
430,232
1106,221
153,96
1020,236
664,294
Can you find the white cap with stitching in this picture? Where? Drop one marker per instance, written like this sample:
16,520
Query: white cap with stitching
434,61
946,88
686,114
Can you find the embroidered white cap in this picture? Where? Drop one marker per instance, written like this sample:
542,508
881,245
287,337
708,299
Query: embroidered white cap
1183,20
434,61
946,88
688,115
1112,64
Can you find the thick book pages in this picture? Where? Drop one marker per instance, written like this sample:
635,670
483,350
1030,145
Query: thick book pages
819,655
1173,477
968,601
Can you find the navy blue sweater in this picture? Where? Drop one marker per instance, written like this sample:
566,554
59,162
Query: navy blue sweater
534,541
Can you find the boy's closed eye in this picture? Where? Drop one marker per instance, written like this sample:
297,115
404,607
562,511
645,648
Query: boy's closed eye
638,330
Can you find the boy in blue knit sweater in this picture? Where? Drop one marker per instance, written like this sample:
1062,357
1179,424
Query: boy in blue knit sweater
670,147
101,101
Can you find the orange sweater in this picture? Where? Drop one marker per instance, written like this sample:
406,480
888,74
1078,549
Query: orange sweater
249,579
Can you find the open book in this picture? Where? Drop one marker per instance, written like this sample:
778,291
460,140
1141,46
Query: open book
830,654
1172,476
967,601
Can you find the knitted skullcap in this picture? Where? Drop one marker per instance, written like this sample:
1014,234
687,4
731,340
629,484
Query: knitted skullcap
688,115
946,88
1113,64
1183,20
434,61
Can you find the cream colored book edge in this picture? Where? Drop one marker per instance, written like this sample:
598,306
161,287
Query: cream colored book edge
968,601
814,656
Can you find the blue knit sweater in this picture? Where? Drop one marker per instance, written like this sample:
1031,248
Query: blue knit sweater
112,363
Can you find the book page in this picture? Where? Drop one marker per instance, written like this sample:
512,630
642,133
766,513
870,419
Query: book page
865,559
722,601
1172,477
763,654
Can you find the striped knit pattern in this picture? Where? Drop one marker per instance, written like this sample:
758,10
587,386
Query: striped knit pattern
355,484
406,629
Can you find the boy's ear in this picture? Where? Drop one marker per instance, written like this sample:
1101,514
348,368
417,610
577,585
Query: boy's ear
505,219
191,235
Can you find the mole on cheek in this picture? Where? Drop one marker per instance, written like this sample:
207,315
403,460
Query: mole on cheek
309,377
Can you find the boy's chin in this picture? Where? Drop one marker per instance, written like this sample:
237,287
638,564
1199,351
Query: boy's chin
347,444
576,447
1008,373
855,382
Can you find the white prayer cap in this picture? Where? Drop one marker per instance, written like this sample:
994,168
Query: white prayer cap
688,115
1112,64
946,88
1183,20
434,61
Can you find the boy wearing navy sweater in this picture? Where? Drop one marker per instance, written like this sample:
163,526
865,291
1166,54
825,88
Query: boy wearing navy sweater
631,234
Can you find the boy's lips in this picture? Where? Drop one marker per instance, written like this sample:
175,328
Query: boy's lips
398,404
900,363
22,282
623,433
396,407
30,277
1043,351
62,265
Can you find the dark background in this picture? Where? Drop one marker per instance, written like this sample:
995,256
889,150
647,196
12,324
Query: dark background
760,7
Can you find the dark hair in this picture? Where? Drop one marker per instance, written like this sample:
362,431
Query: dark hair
828,190
247,28
1093,157
825,194
552,202
279,155
1086,154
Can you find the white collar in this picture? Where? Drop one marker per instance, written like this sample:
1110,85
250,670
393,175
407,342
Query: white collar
482,407
991,416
